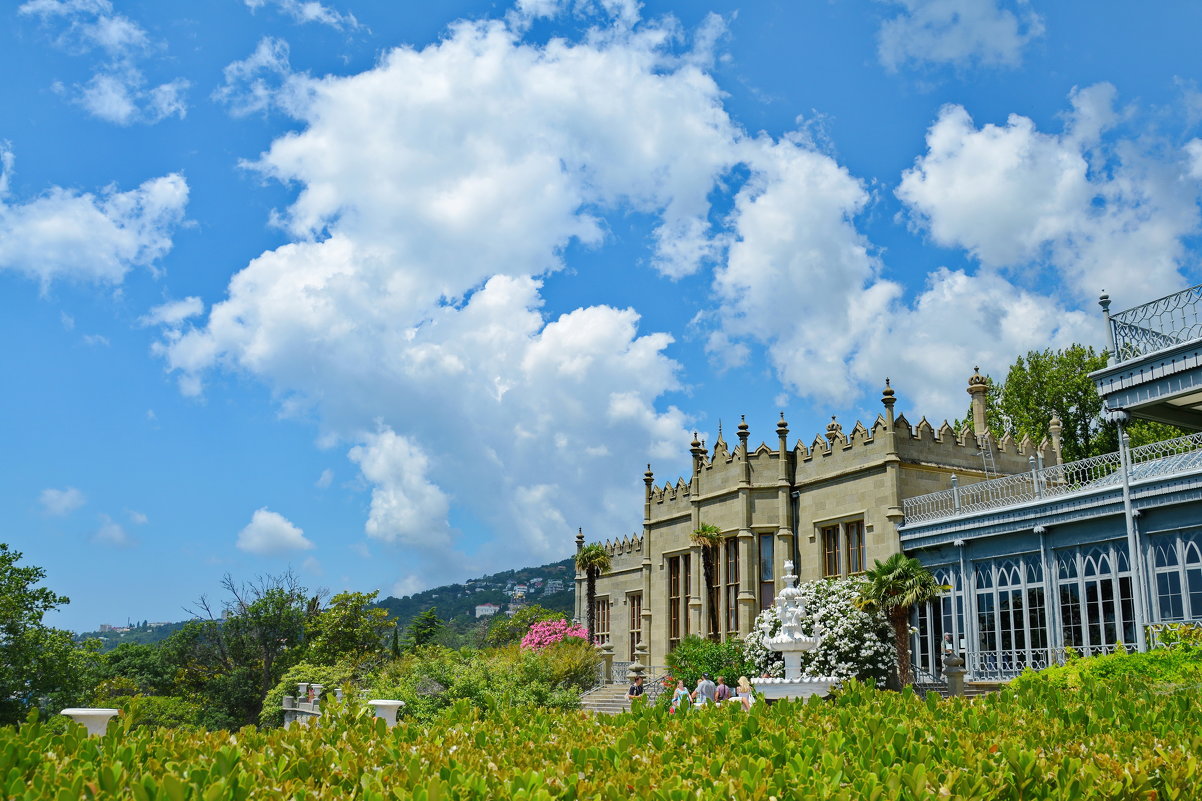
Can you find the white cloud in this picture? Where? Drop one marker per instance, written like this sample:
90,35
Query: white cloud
325,479
269,533
60,503
1193,149
67,234
118,91
435,189
405,506
174,312
957,32
137,518
261,81
111,533
308,11
96,340
1089,208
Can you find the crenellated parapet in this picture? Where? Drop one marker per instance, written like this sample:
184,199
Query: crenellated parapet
623,546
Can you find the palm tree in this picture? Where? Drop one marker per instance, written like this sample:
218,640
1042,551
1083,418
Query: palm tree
709,537
592,560
894,587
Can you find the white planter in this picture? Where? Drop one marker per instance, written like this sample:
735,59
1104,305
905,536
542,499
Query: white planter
386,709
95,719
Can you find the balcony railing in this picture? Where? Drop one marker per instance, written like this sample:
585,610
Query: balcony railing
1157,325
1181,455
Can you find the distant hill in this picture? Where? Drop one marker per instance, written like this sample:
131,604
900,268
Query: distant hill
453,601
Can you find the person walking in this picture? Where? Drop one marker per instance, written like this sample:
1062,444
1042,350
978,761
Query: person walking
635,690
704,694
722,693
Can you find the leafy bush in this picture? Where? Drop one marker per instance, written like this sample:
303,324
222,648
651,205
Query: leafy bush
329,677
1108,741
852,643
694,656
1176,665
430,680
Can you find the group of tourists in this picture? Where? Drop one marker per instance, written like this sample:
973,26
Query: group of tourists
706,693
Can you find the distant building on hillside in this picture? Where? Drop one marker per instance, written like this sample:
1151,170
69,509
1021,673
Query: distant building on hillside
487,610
554,585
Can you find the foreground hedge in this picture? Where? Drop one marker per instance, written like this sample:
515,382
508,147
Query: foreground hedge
1100,742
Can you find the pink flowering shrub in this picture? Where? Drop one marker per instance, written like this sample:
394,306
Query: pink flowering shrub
549,632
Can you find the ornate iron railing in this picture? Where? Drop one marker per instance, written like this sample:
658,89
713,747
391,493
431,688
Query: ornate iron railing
1153,326
1180,455
620,672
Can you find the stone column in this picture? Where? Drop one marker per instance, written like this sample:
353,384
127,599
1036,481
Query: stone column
747,561
783,544
641,651
893,513
695,568
581,612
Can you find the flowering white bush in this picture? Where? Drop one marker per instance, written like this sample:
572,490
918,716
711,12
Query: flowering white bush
852,643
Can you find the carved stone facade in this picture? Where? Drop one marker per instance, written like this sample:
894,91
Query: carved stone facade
832,506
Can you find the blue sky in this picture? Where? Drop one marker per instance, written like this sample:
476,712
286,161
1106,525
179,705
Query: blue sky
397,294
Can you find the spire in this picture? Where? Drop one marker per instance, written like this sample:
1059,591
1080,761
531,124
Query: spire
834,431
782,428
978,386
888,399
579,540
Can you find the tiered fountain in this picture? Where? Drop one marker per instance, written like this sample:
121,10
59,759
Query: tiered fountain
792,643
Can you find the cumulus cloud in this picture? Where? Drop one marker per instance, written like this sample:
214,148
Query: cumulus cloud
408,310
61,502
308,11
1087,207
325,479
111,533
957,32
68,234
118,91
270,533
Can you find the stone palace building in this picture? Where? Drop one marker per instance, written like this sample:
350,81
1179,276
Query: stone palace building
832,506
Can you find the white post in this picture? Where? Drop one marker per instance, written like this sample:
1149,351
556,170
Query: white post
1133,554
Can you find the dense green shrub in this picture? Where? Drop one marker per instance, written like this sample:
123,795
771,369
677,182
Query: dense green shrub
1107,741
1177,665
694,656
431,679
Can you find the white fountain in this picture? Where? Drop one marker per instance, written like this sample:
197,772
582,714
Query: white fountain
792,643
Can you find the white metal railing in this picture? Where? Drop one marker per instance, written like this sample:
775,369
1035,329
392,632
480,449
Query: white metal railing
1156,325
1180,455
1003,665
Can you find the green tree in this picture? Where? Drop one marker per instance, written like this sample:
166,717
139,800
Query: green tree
1056,383
592,560
424,628
894,587
351,627
709,537
507,630
38,664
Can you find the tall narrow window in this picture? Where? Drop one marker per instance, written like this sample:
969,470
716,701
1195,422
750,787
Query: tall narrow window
855,547
732,585
601,621
830,551
767,561
634,602
675,572
684,591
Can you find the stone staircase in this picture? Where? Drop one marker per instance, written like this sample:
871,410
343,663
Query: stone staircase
972,689
608,699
